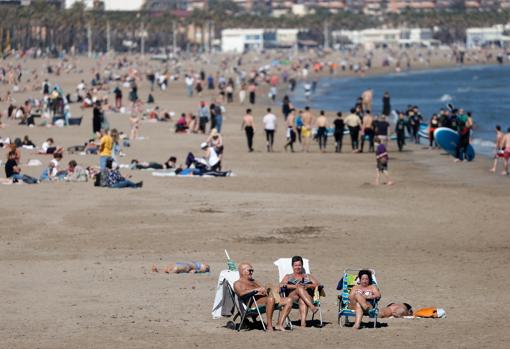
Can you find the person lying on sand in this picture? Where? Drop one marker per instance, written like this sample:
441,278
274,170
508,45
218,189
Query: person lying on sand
180,267
138,165
396,310
247,284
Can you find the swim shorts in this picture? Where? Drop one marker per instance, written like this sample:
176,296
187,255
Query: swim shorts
306,132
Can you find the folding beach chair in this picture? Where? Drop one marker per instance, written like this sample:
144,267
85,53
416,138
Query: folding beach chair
350,279
284,266
246,308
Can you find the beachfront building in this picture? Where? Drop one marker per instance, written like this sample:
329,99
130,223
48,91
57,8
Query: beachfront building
384,37
241,40
497,35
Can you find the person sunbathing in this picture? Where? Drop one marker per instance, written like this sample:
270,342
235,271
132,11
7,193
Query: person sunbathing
180,268
247,284
49,147
137,165
363,296
300,287
396,310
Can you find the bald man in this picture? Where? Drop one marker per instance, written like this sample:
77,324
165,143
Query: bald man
247,284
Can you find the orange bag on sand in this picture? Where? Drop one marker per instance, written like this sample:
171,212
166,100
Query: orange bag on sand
430,313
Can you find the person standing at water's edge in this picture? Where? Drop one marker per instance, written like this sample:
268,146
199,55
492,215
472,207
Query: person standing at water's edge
386,104
499,151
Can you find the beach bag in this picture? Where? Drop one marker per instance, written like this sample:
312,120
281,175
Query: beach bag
430,313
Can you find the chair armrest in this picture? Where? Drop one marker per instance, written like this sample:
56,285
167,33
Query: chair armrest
246,297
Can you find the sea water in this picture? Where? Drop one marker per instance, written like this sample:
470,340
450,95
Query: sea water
482,90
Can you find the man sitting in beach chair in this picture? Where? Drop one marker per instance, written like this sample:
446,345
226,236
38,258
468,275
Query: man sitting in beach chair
359,296
258,300
302,288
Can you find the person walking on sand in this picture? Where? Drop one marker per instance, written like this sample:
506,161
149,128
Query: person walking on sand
499,151
367,132
400,130
322,131
353,122
291,130
339,132
269,121
306,131
381,156
249,128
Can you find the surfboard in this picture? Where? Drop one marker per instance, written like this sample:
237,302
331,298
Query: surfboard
448,139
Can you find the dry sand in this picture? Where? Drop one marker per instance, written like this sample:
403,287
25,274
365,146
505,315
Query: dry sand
75,260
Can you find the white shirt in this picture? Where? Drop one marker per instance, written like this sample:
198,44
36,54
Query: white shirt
189,81
213,157
269,122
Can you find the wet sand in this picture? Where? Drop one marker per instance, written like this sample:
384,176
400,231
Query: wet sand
75,260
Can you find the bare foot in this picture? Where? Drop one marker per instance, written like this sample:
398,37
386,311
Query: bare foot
356,327
280,328
154,268
270,329
168,270
389,183
504,173
492,170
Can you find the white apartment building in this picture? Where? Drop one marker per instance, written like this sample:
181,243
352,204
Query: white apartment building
476,37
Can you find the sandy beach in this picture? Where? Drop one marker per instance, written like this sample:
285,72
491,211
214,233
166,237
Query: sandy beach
75,260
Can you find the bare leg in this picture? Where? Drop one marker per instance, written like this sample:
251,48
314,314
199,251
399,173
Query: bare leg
493,169
377,177
303,310
306,298
269,312
287,307
359,316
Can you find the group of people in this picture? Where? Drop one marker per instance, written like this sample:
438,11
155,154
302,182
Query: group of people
299,288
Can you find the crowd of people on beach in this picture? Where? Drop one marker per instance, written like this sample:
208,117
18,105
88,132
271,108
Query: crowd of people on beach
239,80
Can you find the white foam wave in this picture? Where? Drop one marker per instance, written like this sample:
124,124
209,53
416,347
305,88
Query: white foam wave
483,143
445,98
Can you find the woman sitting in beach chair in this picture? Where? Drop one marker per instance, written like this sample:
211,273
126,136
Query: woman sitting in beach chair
300,287
362,297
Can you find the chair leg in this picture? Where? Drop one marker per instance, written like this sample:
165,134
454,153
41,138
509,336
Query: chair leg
260,315
243,317
375,322
320,316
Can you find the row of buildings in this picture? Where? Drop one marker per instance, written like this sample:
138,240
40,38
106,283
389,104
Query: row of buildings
241,40
284,7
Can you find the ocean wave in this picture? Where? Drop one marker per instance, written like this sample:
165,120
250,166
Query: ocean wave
445,98
483,143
